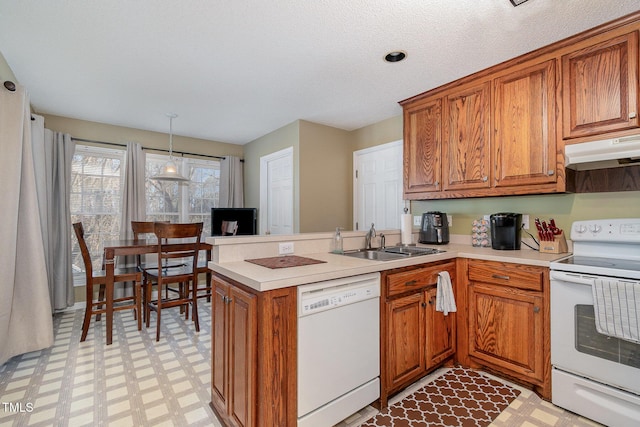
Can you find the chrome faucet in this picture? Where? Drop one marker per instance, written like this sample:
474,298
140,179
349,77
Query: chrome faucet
370,235
382,241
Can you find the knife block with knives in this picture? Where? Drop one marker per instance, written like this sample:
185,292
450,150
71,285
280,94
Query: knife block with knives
556,246
552,239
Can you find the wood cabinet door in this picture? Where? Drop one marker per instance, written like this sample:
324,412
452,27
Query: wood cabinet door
466,147
599,85
441,335
525,131
219,345
506,329
405,339
422,145
242,357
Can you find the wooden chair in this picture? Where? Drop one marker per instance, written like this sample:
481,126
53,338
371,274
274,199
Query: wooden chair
99,278
175,241
142,229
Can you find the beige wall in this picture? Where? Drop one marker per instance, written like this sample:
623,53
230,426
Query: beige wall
564,208
321,173
120,135
326,169
285,137
384,131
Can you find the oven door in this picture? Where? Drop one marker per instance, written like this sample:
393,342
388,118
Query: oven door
577,347
593,375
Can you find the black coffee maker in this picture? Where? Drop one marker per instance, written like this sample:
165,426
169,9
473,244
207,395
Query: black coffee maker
434,229
505,230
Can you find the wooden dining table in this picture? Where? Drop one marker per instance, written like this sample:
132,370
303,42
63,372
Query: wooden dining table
115,248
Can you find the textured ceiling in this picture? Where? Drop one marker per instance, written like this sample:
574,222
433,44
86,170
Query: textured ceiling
234,70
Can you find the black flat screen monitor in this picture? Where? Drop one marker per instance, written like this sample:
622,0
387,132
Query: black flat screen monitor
247,219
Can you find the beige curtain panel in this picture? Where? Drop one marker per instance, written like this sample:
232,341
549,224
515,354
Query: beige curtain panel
25,307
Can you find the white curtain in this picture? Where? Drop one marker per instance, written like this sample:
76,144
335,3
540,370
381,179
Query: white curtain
133,204
134,200
53,154
25,306
231,183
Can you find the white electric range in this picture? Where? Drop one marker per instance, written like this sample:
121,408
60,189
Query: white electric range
595,322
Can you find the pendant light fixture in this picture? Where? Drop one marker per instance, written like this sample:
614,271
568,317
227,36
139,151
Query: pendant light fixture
170,170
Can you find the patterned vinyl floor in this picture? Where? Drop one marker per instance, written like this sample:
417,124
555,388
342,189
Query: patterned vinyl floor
138,382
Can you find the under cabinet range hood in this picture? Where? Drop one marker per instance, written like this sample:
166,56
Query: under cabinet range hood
603,154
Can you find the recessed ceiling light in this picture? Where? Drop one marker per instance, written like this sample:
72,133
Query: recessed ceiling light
395,56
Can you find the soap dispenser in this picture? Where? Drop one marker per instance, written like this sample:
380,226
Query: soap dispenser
337,242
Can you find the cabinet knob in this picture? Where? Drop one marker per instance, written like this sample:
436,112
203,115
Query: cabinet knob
536,309
632,115
410,283
437,183
424,304
550,172
485,178
430,302
500,276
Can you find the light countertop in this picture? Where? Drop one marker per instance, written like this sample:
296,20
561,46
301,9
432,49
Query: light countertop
337,266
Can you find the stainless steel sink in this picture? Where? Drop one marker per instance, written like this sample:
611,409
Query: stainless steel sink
390,253
411,250
373,254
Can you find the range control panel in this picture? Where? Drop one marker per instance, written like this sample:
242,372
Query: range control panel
623,230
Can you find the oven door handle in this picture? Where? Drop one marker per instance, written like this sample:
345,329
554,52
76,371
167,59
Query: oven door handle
572,277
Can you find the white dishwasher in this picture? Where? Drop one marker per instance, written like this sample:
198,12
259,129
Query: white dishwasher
338,348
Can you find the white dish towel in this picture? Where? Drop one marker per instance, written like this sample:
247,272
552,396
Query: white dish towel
616,304
445,301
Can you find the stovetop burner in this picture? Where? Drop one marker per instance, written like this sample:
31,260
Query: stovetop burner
620,264
606,247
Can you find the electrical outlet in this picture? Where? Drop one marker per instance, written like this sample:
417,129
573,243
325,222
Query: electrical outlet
417,221
525,222
450,220
285,248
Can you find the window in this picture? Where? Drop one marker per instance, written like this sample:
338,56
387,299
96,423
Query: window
97,178
96,185
192,202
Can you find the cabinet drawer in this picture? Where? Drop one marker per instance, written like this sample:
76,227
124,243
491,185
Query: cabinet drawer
418,278
501,273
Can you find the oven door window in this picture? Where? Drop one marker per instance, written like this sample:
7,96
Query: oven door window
590,341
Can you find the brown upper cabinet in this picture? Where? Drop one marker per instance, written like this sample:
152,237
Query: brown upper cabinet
524,131
600,86
466,148
502,131
488,137
422,138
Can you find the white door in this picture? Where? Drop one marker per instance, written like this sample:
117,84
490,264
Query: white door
377,187
276,192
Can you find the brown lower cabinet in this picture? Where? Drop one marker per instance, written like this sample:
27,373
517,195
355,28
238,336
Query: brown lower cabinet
415,338
254,355
507,321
